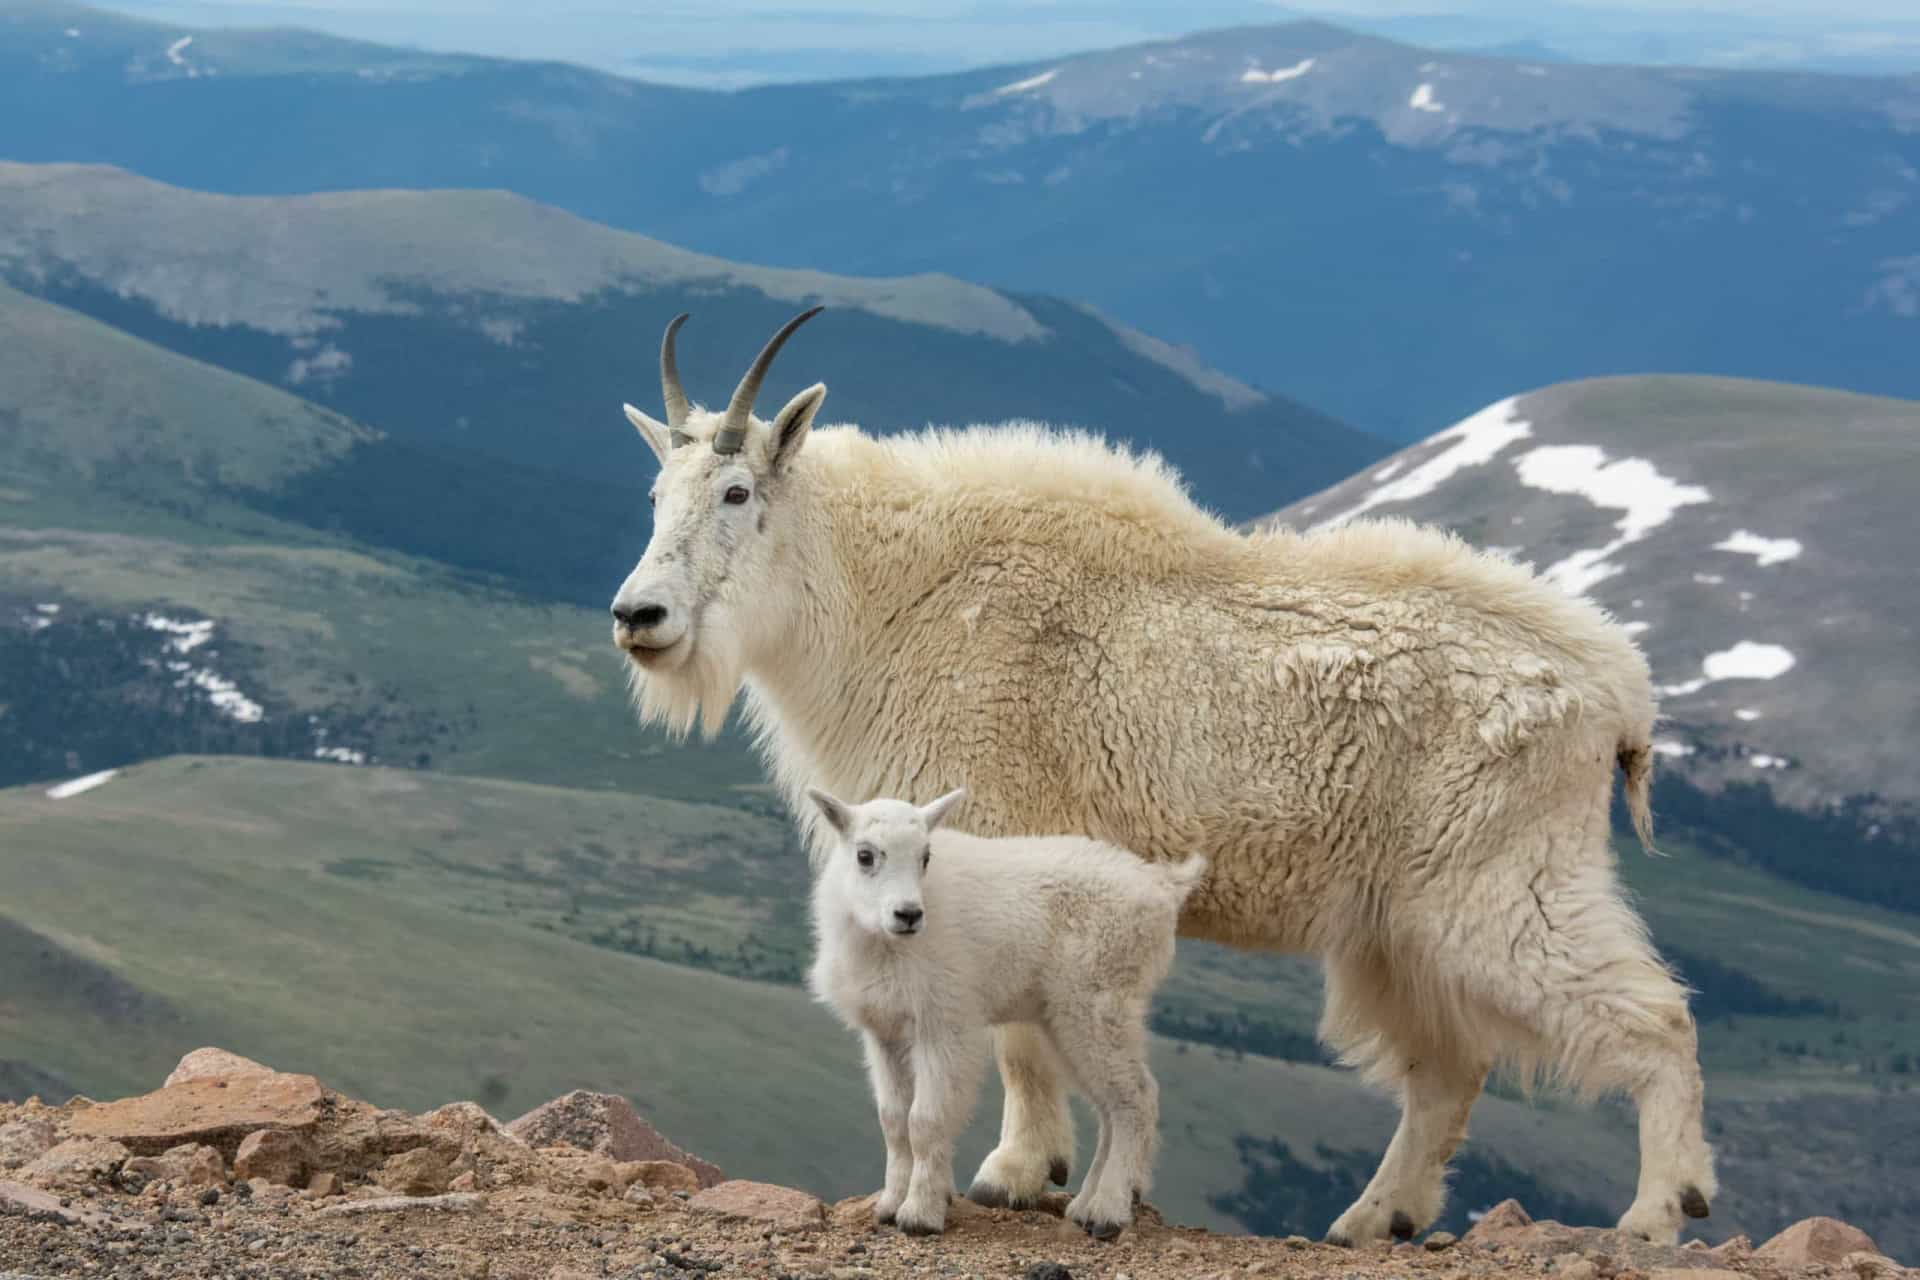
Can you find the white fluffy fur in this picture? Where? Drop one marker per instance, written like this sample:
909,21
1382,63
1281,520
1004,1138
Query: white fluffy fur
1397,752
944,935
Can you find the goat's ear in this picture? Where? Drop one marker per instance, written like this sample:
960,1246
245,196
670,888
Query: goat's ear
935,812
836,813
791,424
655,433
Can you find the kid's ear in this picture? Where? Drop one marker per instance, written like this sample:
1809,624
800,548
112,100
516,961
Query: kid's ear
935,812
836,813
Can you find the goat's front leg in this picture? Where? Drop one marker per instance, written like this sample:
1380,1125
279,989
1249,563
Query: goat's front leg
946,1079
892,1077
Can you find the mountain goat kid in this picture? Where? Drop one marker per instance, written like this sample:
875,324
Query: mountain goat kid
926,938
1397,753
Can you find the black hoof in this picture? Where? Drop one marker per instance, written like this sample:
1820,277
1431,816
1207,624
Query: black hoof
989,1194
1339,1240
1401,1228
886,1219
920,1229
1059,1171
1105,1230
1693,1204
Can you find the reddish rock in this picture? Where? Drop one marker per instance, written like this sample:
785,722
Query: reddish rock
607,1125
281,1158
1811,1240
401,1204
16,1197
663,1176
1871,1266
1507,1216
359,1136
1732,1250
322,1185
781,1208
76,1162
189,1164
465,1182
466,1122
218,1111
25,1140
419,1172
215,1064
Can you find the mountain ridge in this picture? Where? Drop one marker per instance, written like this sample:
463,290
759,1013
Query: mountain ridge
491,324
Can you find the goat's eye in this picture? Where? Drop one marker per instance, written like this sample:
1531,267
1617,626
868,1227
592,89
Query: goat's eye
926,858
653,499
736,495
864,857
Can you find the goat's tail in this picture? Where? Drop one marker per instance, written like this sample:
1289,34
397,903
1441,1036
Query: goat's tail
1635,757
1181,877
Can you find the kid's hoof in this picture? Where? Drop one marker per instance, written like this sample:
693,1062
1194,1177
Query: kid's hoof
1693,1204
1338,1239
1401,1228
989,1194
1059,1171
1105,1230
917,1228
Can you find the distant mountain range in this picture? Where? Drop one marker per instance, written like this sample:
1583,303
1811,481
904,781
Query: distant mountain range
1747,533
732,43
483,323
1392,234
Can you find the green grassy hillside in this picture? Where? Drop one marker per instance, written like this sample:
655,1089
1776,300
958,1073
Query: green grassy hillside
414,937
282,910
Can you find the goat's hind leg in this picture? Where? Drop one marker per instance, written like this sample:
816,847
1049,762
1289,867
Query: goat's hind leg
1036,1129
1436,1083
1606,1014
1104,1043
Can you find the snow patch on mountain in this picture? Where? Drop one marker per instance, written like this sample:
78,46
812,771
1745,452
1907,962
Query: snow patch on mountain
1631,485
1254,75
1031,82
1766,550
80,786
1747,660
176,52
1423,100
184,637
1473,442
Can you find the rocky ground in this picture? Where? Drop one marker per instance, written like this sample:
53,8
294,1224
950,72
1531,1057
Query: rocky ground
233,1170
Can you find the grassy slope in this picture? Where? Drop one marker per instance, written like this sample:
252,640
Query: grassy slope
83,400
418,911
386,990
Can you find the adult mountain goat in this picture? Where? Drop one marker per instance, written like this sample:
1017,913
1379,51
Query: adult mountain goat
1397,751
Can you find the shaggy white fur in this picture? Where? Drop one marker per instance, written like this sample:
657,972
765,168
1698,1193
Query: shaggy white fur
926,938
1397,751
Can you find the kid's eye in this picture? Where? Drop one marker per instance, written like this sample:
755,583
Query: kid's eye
864,857
926,857
653,499
736,495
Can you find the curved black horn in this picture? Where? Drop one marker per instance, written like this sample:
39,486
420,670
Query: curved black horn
733,430
670,389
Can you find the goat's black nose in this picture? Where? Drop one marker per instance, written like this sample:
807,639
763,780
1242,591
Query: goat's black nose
638,617
908,915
